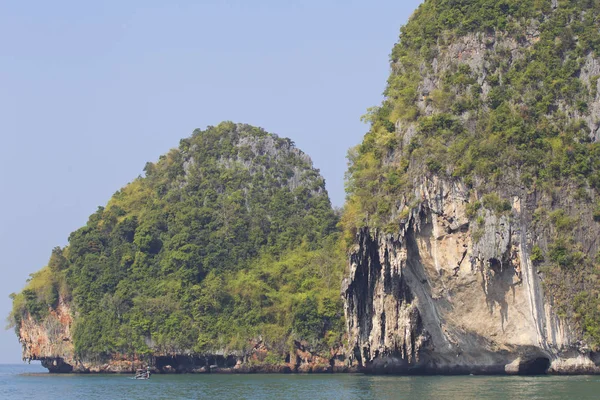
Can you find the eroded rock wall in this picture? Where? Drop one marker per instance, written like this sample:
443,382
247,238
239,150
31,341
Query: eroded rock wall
443,296
49,340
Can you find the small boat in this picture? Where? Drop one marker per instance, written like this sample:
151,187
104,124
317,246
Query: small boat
142,373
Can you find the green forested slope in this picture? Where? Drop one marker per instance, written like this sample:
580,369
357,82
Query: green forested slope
231,237
524,120
517,125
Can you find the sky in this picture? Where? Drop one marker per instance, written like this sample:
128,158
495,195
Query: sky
91,91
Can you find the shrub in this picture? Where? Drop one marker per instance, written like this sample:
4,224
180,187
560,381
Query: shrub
471,209
536,256
494,203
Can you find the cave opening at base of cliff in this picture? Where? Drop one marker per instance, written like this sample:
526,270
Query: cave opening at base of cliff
56,365
535,366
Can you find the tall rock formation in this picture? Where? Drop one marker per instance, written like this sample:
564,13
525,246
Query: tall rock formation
473,198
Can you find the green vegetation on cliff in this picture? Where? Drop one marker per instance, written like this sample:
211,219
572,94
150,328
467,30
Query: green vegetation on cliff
227,239
498,95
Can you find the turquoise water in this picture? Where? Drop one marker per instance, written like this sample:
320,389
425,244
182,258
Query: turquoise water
31,382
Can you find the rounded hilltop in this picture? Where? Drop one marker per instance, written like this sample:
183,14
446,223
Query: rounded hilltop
228,242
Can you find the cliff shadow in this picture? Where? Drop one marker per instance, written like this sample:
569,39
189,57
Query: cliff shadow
500,281
361,291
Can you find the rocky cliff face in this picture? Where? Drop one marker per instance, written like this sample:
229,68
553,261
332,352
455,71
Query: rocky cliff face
437,297
49,341
473,249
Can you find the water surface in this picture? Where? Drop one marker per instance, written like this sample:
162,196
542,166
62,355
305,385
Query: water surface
32,382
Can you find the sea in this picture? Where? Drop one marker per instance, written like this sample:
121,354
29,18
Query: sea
25,381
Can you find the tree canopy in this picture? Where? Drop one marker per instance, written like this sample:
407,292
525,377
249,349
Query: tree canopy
230,237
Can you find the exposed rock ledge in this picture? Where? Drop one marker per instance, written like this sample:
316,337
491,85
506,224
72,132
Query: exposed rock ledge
299,362
432,299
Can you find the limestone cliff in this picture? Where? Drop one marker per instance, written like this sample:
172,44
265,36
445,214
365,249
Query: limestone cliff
431,298
473,199
49,340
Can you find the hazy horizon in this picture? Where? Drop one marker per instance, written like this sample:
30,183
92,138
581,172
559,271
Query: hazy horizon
91,92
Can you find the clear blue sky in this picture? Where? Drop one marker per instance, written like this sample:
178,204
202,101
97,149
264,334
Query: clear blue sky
90,91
